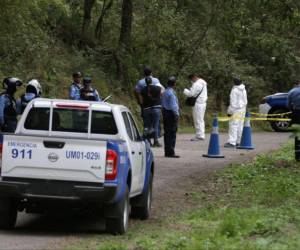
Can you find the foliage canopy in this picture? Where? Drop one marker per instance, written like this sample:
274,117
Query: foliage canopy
114,40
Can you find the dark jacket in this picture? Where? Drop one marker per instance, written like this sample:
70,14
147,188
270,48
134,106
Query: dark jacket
8,113
151,96
89,95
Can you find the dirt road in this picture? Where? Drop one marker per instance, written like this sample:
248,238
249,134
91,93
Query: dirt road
174,180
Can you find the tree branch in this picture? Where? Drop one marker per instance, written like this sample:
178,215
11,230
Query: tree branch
99,27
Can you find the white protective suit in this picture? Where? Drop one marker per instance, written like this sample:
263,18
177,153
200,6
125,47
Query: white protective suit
200,105
237,109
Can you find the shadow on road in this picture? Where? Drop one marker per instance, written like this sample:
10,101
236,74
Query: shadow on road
59,224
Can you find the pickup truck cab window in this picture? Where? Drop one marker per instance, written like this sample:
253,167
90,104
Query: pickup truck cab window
70,120
136,133
38,119
103,123
127,125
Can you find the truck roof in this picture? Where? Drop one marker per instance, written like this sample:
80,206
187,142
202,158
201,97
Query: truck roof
66,131
46,102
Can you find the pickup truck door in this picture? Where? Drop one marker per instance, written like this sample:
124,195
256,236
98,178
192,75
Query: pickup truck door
142,152
135,155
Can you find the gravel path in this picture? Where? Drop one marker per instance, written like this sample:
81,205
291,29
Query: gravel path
174,180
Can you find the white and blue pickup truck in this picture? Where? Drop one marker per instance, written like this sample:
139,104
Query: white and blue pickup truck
76,154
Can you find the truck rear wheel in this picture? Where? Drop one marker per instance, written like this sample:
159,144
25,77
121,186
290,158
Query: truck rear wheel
8,213
280,126
118,215
142,206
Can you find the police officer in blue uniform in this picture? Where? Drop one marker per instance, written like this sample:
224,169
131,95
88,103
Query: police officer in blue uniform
8,108
170,111
76,86
294,102
87,93
294,105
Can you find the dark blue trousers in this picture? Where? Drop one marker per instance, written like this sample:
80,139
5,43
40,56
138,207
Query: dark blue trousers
151,120
296,120
170,129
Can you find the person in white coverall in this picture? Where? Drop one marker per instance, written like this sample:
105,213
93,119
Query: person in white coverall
199,87
236,110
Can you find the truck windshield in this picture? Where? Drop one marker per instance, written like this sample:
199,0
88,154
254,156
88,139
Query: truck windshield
71,120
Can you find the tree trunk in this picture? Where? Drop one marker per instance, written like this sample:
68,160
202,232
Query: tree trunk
126,23
180,5
122,56
99,27
88,6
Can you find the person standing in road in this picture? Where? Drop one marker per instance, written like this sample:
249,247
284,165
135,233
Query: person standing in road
294,102
76,86
87,93
142,84
199,88
151,104
8,107
294,105
236,110
170,111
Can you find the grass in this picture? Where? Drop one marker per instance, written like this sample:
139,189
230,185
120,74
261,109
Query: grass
252,206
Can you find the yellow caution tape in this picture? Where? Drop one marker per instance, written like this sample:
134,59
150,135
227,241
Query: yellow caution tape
263,117
259,114
270,119
225,119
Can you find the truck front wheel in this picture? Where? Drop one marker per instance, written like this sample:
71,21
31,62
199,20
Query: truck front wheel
8,213
117,217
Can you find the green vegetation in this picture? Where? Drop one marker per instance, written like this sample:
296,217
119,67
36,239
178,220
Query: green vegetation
113,40
252,206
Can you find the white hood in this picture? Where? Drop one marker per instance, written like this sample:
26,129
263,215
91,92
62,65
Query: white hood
240,87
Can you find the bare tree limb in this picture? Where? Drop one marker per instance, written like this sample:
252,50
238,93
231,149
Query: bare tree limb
99,27
88,6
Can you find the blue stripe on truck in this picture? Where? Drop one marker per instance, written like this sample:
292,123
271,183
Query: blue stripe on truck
123,167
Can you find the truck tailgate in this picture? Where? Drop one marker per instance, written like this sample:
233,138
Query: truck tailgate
53,158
